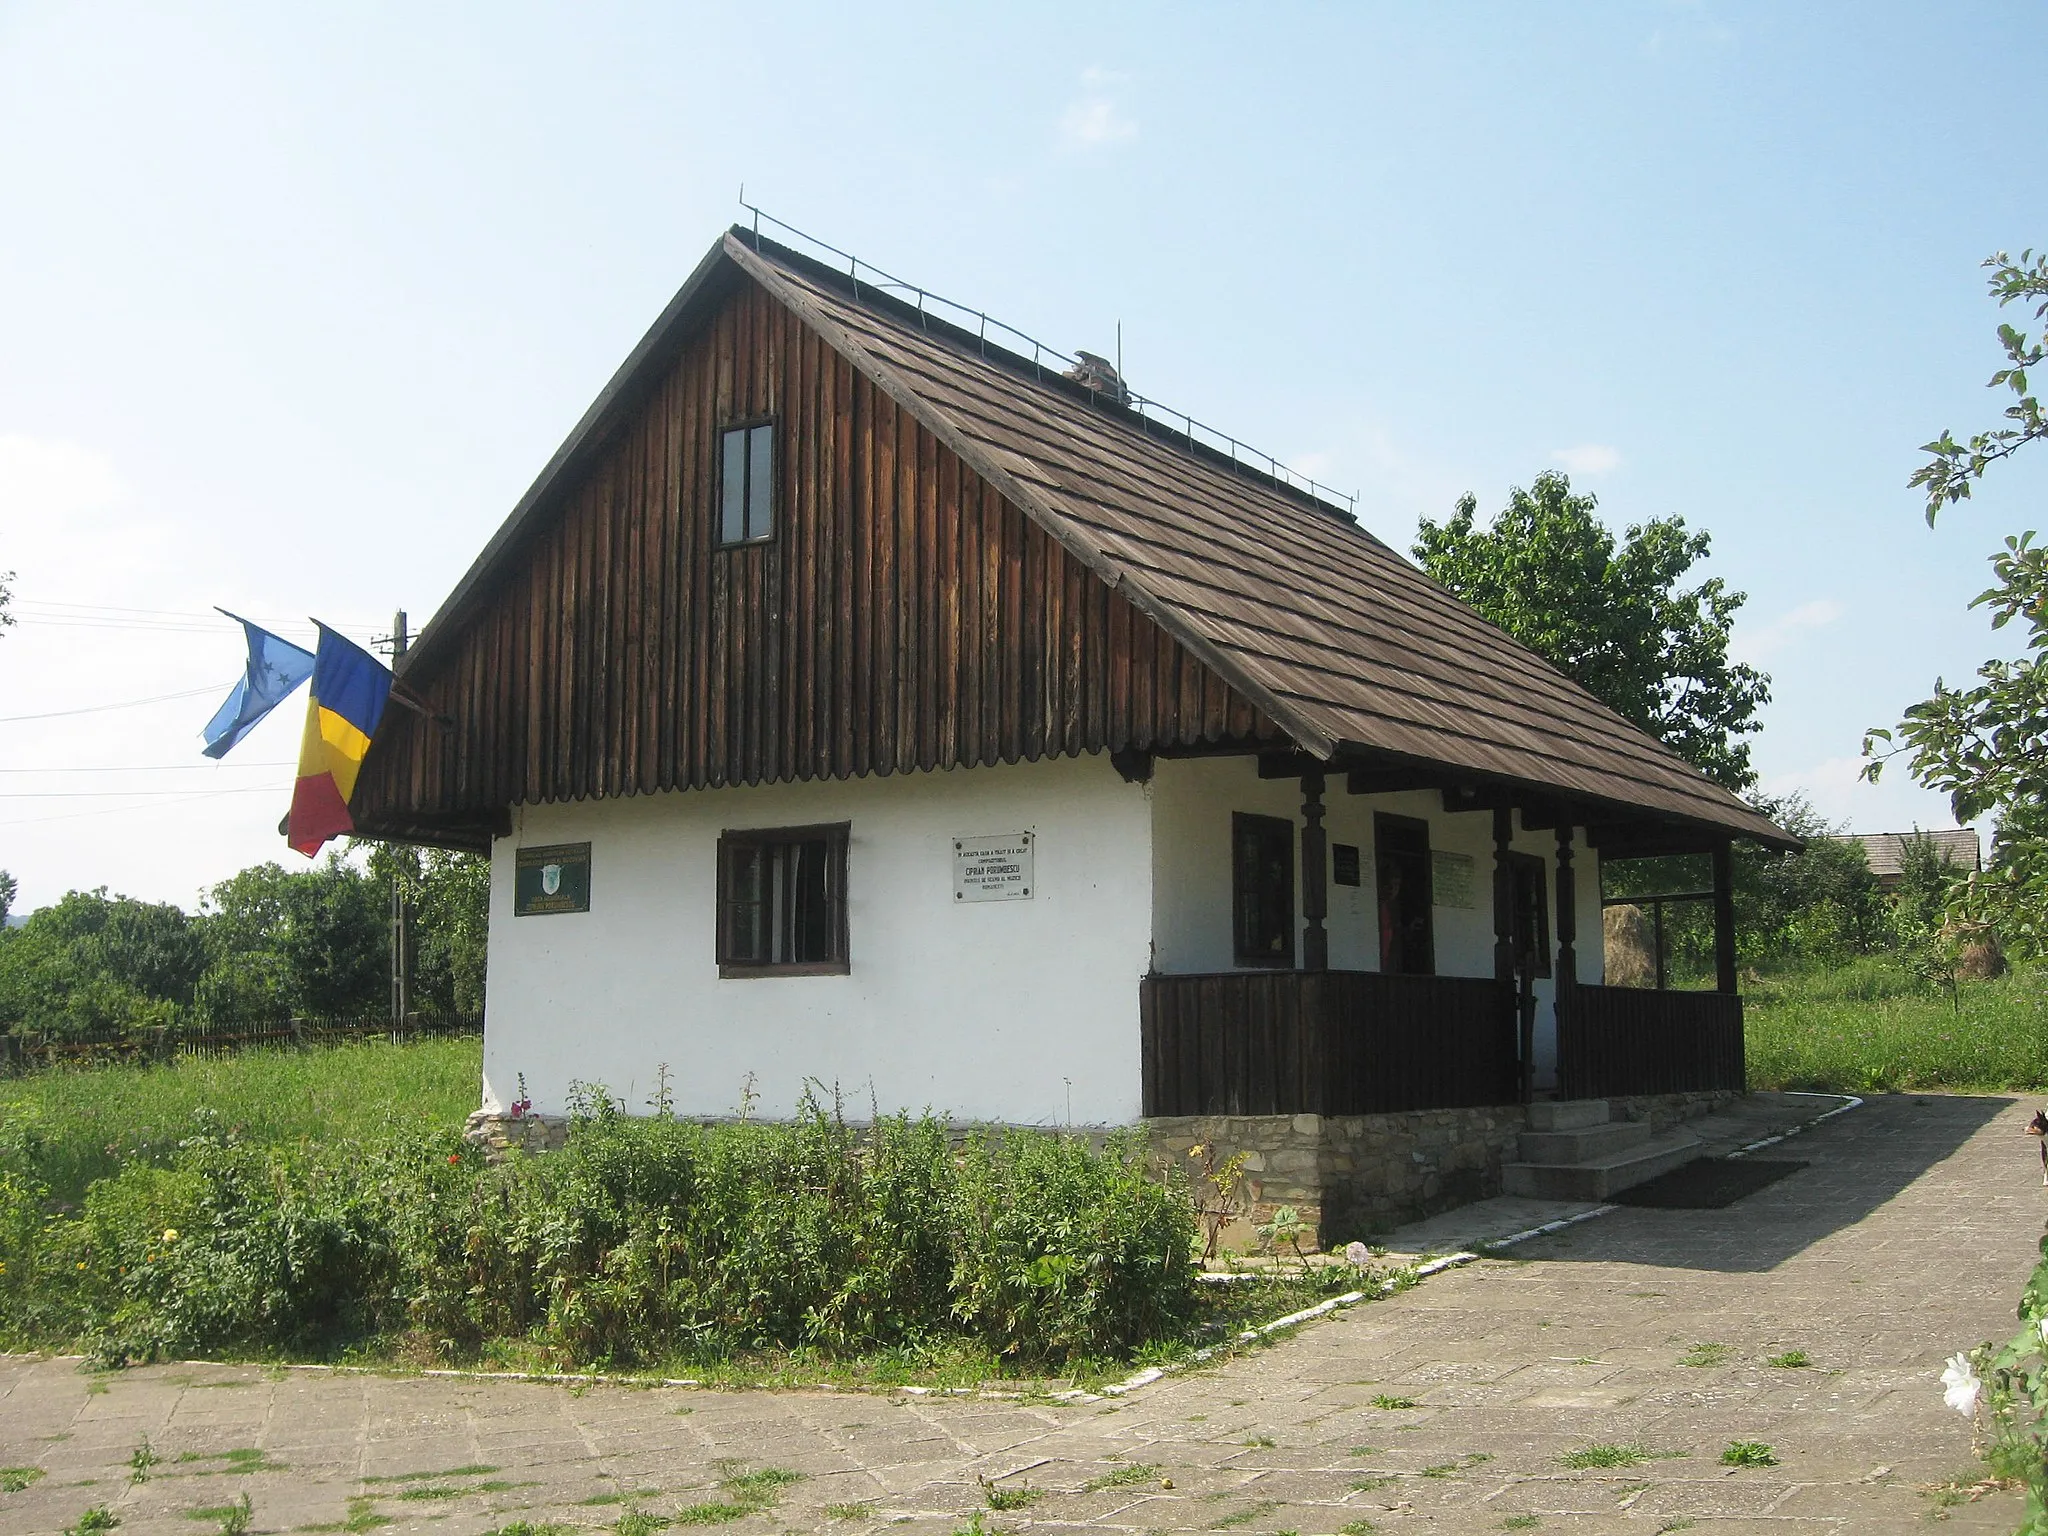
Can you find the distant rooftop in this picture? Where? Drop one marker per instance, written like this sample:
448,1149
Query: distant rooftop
1886,851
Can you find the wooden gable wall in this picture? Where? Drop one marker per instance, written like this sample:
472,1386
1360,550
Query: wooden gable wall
904,617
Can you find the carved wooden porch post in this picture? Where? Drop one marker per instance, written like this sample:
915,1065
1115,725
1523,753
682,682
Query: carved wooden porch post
1567,916
1315,876
1504,967
1724,917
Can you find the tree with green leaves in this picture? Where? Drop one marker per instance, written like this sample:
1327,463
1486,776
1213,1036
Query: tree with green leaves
1612,615
1986,745
449,897
93,961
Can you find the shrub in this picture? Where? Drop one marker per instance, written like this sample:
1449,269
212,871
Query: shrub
643,1240
2010,1386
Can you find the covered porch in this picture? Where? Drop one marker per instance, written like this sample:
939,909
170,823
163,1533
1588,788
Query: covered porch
1290,1033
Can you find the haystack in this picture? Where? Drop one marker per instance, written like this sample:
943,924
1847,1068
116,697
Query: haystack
1631,946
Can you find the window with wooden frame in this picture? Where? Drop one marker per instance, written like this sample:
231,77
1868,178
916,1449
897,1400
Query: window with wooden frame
1262,889
746,483
782,902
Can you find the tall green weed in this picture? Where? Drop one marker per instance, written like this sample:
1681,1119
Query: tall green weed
643,1241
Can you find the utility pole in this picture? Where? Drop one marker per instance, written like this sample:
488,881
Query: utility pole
401,914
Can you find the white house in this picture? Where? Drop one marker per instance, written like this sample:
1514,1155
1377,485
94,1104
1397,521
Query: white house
853,701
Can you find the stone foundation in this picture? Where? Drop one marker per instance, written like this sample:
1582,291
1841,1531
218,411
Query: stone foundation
498,1134
1351,1176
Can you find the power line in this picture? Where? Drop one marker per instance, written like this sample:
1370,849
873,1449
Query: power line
112,794
206,767
93,709
112,810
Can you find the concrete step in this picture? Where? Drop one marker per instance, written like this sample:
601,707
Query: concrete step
1599,1177
1589,1145
1567,1114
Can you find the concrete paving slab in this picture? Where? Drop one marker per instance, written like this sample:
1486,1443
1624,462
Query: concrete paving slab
1908,1237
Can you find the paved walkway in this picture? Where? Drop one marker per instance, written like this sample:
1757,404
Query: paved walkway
1750,1120
1907,1237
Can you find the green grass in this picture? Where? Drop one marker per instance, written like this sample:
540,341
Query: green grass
69,1127
1791,1360
244,1460
1246,1515
1628,1454
15,1479
1701,1355
1121,1477
1384,1401
1748,1453
849,1511
473,1469
1870,1027
65,1128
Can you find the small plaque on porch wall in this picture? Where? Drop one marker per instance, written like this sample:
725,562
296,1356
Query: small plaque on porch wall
992,868
553,878
1450,878
1344,863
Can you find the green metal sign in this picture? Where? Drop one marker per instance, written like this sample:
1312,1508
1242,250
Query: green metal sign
552,878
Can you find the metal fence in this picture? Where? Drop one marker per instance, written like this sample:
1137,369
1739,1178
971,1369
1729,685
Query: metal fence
31,1051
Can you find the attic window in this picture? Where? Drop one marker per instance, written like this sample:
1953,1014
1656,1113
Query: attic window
746,484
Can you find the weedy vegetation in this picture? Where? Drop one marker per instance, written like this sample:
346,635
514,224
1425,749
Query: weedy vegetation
1748,1453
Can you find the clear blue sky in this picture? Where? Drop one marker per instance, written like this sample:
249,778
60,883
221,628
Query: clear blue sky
294,303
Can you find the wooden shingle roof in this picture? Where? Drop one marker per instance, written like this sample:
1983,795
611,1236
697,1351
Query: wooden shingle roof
1356,654
1886,851
1341,640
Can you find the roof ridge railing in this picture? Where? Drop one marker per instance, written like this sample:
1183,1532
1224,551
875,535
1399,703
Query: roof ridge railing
1242,455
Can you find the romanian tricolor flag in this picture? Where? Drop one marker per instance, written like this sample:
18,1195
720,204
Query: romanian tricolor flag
349,689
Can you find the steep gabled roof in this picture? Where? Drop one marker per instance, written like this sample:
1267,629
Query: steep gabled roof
1356,654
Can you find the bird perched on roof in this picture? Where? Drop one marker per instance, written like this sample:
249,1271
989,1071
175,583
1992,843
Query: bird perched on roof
1098,374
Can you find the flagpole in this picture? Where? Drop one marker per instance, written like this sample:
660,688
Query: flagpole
401,924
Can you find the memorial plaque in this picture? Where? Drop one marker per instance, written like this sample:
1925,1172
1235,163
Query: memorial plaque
992,868
1344,863
552,878
1450,878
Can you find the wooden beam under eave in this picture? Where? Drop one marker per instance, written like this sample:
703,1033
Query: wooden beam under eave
1651,841
1390,781
1289,765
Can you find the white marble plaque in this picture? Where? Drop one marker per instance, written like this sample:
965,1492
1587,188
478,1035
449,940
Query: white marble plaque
994,868
1450,879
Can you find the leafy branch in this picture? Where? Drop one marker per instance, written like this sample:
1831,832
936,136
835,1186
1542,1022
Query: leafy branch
1949,475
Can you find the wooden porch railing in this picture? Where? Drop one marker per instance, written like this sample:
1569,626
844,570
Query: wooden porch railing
1324,1042
1613,1041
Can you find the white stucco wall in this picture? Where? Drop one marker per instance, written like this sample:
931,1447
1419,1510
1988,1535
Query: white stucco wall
1192,803
1021,1011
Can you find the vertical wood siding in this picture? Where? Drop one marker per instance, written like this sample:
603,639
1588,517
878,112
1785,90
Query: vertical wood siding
904,617
1614,1041
1324,1042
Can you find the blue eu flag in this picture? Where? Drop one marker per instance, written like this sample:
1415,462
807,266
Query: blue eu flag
275,668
